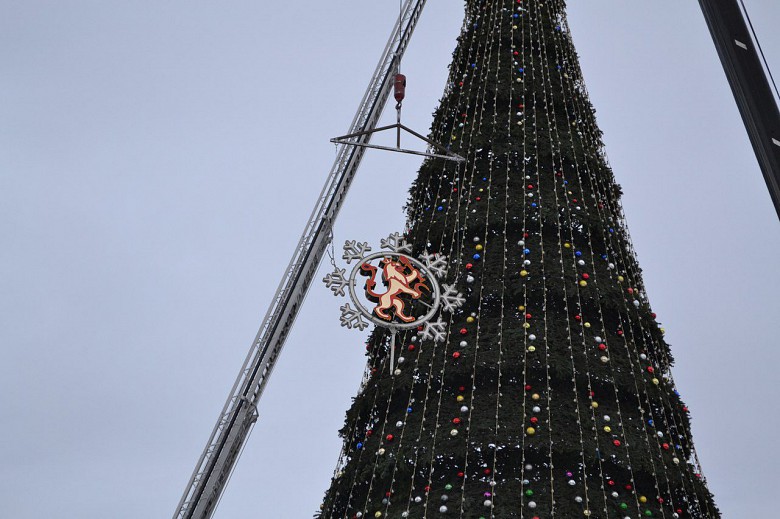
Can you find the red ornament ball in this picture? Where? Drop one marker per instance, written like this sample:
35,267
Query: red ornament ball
389,437
463,331
456,355
616,443
411,347
469,266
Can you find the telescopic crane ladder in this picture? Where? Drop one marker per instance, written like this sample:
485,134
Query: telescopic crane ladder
216,463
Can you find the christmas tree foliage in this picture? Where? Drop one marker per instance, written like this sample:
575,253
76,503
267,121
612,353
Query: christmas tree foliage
552,394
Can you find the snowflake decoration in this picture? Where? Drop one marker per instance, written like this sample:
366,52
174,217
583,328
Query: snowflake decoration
396,243
435,330
351,318
436,263
336,281
451,298
355,251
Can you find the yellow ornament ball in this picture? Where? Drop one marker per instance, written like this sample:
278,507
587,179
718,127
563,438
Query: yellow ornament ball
607,429
469,319
594,405
526,325
377,514
587,325
532,349
479,247
583,283
531,431
460,398
620,279
642,499
535,396
567,245
656,381
521,308
523,273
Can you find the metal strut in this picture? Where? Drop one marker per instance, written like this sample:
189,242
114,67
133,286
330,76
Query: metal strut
750,86
216,463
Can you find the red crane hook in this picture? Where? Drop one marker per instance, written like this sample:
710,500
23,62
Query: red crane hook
399,87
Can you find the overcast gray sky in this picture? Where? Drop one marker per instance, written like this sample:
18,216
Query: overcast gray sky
158,161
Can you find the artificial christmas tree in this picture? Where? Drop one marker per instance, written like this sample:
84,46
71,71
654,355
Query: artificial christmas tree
551,393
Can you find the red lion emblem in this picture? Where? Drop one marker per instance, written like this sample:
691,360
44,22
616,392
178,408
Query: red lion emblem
398,276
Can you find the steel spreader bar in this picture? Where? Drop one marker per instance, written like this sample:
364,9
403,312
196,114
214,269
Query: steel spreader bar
216,463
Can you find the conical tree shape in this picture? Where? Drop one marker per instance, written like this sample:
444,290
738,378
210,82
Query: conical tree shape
552,395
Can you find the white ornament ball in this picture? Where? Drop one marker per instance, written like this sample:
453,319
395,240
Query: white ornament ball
454,432
521,243
529,467
463,344
578,499
469,279
643,356
581,263
418,499
532,337
572,482
597,339
476,239
536,409
636,303
531,504
401,360
399,423
397,372
464,409
607,418
443,509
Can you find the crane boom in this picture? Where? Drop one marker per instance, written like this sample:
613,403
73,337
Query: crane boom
750,86
235,421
